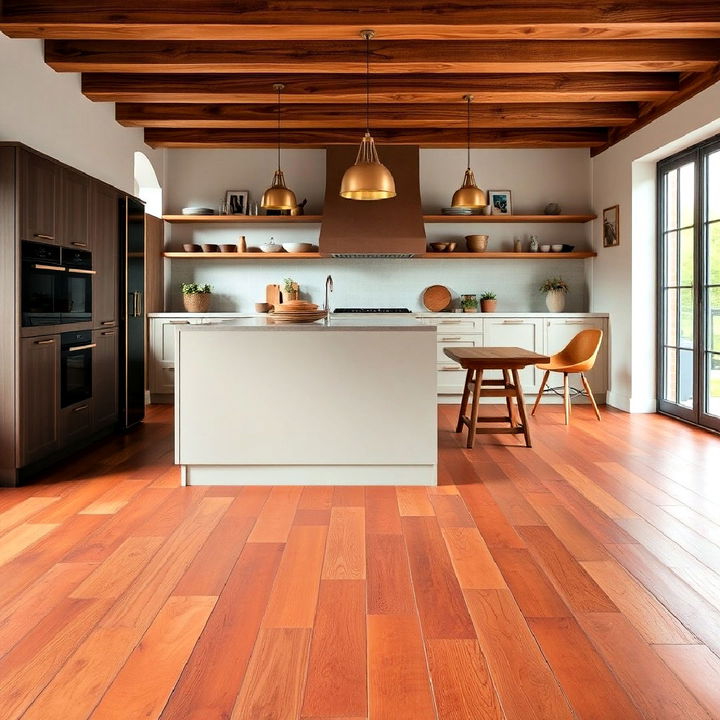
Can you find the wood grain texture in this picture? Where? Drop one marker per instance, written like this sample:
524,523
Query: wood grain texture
275,677
413,501
462,685
473,564
398,682
337,670
22,537
275,520
389,586
345,551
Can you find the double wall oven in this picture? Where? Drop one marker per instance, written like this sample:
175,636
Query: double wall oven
56,285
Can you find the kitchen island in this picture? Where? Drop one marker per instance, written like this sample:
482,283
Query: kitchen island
352,402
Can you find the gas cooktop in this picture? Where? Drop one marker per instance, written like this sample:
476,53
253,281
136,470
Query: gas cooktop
371,310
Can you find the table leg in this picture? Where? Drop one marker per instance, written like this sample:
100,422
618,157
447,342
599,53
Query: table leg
520,398
475,401
463,402
508,399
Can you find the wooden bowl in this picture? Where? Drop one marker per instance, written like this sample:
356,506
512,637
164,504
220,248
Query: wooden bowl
210,248
451,247
476,243
439,246
191,247
228,248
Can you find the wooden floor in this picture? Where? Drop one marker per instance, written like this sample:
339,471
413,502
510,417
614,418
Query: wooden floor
576,579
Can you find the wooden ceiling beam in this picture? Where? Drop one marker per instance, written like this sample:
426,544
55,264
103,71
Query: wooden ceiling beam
336,20
223,88
519,115
425,137
411,56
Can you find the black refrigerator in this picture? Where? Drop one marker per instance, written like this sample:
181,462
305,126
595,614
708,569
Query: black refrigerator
132,311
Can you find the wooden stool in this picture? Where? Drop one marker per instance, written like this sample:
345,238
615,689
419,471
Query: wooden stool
509,360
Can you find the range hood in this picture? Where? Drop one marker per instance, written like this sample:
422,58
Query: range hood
391,228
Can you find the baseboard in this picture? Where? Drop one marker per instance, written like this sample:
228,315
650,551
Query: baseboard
631,405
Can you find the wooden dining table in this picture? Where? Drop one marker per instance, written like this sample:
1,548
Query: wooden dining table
509,360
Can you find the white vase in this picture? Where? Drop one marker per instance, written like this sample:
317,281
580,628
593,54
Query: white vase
555,301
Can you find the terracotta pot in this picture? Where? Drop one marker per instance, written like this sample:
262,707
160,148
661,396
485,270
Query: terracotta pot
289,295
488,305
555,301
197,302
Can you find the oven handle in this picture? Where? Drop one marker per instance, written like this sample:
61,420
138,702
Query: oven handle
43,236
49,267
83,272
81,347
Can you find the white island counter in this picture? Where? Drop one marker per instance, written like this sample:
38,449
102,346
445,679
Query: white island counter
349,403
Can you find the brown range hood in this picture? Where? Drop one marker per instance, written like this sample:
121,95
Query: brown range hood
391,228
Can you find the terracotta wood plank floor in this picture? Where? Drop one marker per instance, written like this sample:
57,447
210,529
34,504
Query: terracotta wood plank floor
576,579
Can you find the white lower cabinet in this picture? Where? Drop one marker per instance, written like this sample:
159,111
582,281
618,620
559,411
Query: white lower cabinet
524,333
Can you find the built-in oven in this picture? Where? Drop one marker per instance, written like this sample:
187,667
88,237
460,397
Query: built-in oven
76,356
56,285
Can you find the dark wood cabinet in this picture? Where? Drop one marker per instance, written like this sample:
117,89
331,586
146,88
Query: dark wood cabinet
74,209
105,378
39,199
104,233
39,397
76,423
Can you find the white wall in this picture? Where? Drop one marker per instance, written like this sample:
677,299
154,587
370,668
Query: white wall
535,177
623,277
47,111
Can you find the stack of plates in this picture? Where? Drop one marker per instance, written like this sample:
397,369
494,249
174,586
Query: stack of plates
296,311
197,211
457,211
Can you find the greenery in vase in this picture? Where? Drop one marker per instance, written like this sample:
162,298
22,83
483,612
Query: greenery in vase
290,285
488,295
468,302
194,288
556,284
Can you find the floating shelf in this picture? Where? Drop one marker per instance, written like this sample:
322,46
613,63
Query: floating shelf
425,256
243,219
290,219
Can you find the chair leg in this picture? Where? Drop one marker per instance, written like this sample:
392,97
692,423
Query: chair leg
463,402
540,392
566,397
508,400
586,385
475,401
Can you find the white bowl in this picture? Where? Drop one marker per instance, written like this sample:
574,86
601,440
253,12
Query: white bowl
271,247
557,248
544,248
298,247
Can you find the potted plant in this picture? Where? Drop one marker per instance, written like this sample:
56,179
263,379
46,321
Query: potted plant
196,298
555,290
469,303
488,301
292,289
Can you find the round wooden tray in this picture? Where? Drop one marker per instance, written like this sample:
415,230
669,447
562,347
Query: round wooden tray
436,298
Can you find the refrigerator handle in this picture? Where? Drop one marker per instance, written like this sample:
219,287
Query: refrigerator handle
139,304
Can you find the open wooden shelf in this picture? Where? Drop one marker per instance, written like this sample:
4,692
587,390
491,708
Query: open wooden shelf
508,218
243,219
425,256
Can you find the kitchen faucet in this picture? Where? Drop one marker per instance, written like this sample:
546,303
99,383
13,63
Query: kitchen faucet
328,286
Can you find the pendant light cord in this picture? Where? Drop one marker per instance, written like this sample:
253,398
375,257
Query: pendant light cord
279,88
469,100
367,82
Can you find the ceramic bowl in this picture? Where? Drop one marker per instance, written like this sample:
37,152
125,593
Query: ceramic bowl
557,248
451,247
298,247
544,248
228,248
270,247
210,248
439,246
476,243
191,247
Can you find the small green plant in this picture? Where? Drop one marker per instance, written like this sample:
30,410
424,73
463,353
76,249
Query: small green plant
488,295
289,285
194,288
554,284
468,302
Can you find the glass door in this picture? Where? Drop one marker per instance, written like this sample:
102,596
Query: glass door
689,285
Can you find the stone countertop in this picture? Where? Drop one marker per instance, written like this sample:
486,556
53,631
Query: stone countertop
412,314
336,323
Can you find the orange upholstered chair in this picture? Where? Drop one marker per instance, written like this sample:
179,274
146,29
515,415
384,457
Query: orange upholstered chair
578,356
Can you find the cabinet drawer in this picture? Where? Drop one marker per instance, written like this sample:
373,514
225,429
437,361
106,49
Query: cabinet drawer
451,325
447,337
444,359
450,378
75,423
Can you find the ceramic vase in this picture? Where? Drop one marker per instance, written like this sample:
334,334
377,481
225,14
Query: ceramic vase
555,301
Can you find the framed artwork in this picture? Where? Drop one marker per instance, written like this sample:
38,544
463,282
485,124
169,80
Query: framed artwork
237,202
500,202
611,226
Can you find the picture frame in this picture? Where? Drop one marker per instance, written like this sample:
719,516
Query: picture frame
236,202
500,202
611,226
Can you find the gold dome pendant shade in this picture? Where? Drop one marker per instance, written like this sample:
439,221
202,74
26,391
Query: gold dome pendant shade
278,196
469,195
368,178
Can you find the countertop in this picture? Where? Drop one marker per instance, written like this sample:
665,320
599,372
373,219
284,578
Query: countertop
412,314
405,323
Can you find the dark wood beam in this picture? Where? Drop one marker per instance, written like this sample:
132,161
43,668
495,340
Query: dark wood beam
532,115
403,56
425,137
338,20
543,88
691,85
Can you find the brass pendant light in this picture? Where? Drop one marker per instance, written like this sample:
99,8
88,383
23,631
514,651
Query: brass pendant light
368,178
469,195
278,196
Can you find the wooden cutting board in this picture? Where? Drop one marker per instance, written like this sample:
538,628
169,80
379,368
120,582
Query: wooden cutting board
436,298
273,295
